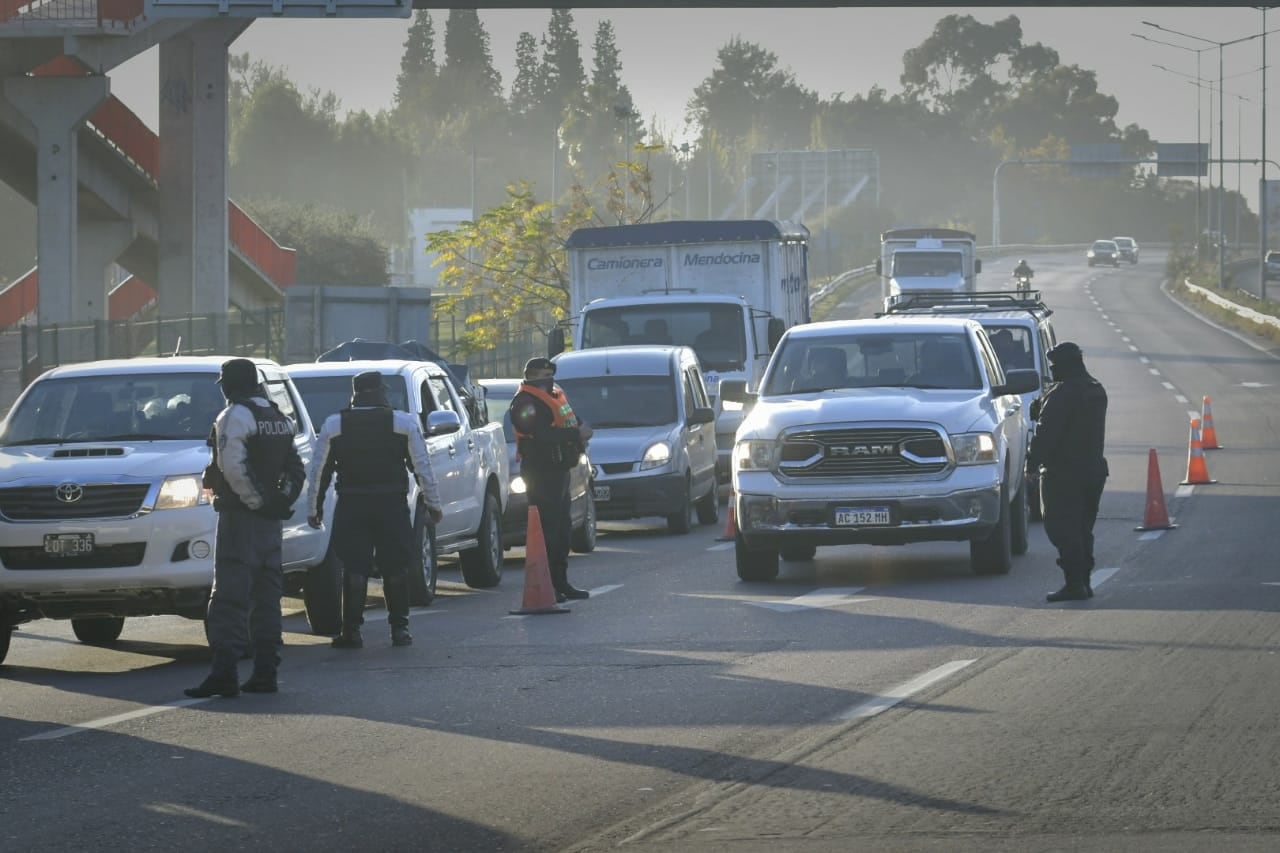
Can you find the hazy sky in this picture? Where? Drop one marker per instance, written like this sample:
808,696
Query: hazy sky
665,53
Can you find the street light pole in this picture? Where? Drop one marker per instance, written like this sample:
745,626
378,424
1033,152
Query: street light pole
1262,183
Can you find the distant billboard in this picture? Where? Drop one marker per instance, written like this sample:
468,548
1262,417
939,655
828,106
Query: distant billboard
1098,160
277,8
424,221
799,183
1182,159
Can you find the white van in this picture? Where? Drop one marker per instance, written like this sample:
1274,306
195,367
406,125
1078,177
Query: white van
103,514
654,448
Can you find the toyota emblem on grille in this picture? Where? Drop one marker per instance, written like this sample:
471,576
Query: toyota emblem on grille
69,493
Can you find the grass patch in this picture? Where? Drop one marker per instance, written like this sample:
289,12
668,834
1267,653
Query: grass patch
821,309
1228,318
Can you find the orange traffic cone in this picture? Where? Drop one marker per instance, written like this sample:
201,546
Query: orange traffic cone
731,523
539,595
1208,437
1156,516
1197,468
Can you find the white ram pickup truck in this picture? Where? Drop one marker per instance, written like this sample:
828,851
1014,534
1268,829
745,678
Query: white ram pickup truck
468,458
882,432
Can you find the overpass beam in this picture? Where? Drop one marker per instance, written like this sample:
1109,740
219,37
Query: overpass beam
194,274
56,108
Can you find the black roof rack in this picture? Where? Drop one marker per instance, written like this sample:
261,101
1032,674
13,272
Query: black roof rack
978,300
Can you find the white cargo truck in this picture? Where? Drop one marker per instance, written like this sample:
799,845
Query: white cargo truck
729,289
918,261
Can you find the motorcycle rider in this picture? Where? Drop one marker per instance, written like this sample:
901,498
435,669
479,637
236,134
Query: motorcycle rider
1023,270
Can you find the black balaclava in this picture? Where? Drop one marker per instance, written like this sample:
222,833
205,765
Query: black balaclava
367,389
1066,361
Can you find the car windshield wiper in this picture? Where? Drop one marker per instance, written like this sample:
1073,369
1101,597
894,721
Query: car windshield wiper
138,436
42,440
818,390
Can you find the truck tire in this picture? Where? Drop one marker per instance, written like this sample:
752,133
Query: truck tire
678,521
798,553
708,506
584,537
98,630
6,635
424,569
1019,539
322,596
754,564
482,565
992,555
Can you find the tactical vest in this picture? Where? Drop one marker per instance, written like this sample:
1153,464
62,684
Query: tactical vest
369,455
562,415
268,452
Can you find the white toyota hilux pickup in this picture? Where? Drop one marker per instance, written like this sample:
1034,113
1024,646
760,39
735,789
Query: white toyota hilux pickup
882,432
103,514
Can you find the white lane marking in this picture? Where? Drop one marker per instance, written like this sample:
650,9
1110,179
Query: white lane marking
1181,399
1153,371
1192,414
1183,491
885,701
1105,317
103,722
1254,385
1168,385
1270,583
819,598
1144,359
1152,534
381,615
601,590
723,546
1100,576
1132,347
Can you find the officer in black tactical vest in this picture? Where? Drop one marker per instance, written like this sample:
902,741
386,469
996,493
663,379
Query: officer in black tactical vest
256,475
371,447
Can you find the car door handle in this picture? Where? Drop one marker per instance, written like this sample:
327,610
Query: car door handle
471,444
453,451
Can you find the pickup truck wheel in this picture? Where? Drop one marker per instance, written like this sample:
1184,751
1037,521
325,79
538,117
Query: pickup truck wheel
424,569
1034,503
678,521
322,596
6,634
754,564
99,630
709,506
482,565
1018,533
798,553
992,555
584,538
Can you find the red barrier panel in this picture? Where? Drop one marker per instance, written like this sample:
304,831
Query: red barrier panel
277,262
19,299
121,126
129,298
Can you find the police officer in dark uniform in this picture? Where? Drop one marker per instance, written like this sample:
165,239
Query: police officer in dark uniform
1068,444
256,475
371,448
549,441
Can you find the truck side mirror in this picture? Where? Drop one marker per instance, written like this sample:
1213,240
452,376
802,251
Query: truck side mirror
555,342
879,265
776,328
443,423
977,265
1018,382
735,391
702,415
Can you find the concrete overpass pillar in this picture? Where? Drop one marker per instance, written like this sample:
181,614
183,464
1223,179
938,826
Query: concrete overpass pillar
56,108
194,274
100,244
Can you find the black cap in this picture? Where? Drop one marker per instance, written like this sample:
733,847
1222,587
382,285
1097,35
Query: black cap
370,380
238,373
1066,353
540,363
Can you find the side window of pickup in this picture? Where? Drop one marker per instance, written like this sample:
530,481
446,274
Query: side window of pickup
444,397
278,392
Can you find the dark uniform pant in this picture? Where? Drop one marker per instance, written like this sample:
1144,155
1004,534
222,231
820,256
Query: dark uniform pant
369,527
1070,510
247,585
548,490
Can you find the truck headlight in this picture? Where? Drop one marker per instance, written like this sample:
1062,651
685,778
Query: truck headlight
181,493
657,455
974,448
517,485
754,455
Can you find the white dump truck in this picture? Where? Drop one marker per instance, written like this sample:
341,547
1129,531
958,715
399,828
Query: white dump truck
916,261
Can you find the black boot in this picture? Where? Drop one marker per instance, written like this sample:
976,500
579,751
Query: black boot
222,681
1070,592
262,681
355,588
395,590
564,589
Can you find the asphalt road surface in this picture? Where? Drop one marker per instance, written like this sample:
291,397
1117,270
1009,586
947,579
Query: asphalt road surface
875,699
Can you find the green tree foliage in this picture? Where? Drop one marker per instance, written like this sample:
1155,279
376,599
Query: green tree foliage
748,94
417,81
954,69
468,80
334,246
604,121
562,66
528,89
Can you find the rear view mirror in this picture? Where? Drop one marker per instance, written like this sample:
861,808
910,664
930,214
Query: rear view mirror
776,328
879,271
1018,382
443,423
555,342
735,391
702,415
977,265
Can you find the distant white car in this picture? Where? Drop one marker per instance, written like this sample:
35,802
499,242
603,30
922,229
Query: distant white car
103,514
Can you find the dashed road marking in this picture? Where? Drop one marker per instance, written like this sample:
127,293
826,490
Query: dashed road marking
1153,371
1100,576
1192,414
888,699
1132,347
1183,491
1167,385
103,722
1181,399
721,546
816,600
601,590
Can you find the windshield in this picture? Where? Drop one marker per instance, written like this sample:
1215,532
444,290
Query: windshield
1013,345
622,401
327,395
867,360
139,406
1104,246
715,331
926,264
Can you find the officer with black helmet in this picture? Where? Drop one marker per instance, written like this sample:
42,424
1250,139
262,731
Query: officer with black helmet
255,475
1068,448
371,447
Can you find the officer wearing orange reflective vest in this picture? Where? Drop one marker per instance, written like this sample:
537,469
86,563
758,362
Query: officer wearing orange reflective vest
549,441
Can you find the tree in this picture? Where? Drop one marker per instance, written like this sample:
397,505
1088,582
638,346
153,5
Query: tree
418,71
333,245
748,93
528,89
954,67
599,125
468,80
562,63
